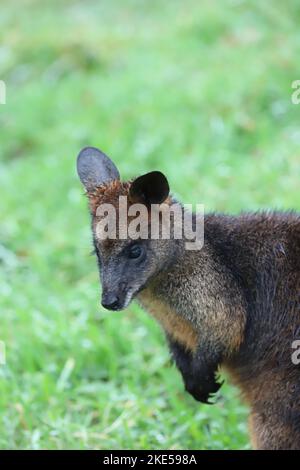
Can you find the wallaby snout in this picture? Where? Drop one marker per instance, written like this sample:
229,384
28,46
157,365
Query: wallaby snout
115,295
111,301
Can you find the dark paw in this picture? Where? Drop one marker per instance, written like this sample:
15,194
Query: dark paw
203,389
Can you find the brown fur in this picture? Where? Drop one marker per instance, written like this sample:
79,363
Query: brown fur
107,193
178,328
239,294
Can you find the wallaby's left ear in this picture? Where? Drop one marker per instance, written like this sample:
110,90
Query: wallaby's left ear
151,188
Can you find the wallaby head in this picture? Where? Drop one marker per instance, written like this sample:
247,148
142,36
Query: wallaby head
127,263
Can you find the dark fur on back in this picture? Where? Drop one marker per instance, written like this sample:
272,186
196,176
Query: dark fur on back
263,252
249,267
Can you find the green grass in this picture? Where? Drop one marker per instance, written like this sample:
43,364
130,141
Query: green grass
199,90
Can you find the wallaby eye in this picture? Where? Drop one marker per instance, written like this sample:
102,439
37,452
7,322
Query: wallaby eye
135,251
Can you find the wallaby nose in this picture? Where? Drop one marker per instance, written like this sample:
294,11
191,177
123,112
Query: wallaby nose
110,301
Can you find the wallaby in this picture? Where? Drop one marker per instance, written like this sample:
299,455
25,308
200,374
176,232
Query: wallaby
234,303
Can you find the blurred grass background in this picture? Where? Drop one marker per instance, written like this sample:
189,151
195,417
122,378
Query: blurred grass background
199,90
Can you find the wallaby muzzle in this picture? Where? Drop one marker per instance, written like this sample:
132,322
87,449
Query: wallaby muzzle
116,299
111,301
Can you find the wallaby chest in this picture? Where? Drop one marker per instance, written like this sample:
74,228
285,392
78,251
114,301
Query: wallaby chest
178,328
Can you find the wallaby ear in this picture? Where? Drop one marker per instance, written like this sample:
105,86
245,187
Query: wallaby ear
94,168
151,188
